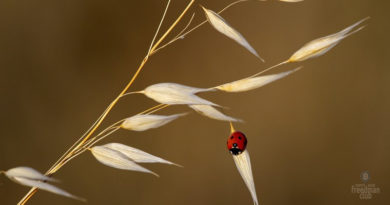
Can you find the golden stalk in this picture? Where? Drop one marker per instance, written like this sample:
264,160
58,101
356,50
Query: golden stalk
104,115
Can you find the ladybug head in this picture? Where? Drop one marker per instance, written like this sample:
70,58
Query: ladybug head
235,151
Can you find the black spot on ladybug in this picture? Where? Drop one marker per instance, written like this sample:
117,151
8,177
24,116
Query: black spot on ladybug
246,141
239,137
231,137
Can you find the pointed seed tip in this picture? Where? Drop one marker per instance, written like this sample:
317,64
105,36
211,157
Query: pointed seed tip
296,69
231,127
81,199
262,60
240,121
178,165
183,114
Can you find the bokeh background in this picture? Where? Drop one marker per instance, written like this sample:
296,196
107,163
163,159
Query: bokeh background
310,134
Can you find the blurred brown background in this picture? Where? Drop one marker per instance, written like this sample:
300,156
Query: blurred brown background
310,134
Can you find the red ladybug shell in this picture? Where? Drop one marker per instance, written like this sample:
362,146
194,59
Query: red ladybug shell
236,143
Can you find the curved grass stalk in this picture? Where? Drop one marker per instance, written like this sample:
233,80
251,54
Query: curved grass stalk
130,93
75,144
178,36
268,69
109,108
157,109
89,145
104,136
151,109
185,28
159,26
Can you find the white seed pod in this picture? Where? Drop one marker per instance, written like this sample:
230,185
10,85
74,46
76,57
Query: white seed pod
116,159
223,27
28,173
172,93
137,155
243,164
45,186
253,82
182,88
213,113
320,46
145,122
27,176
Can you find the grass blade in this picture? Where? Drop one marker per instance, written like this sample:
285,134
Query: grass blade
145,122
115,159
213,113
223,27
243,164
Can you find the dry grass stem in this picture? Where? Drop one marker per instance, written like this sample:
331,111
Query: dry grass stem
59,164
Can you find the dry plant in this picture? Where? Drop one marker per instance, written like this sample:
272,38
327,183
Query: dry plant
121,156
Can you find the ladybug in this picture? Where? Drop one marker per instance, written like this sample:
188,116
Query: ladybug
236,143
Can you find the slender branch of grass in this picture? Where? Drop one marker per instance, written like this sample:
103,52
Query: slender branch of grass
159,26
185,28
170,28
34,190
178,36
109,108
104,136
89,145
130,93
77,142
153,109
150,109
157,109
268,69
